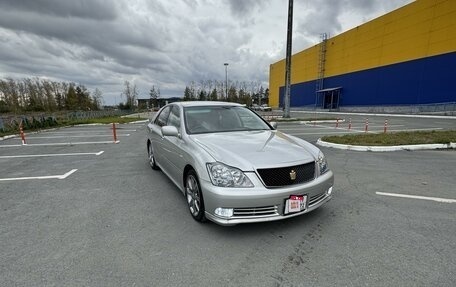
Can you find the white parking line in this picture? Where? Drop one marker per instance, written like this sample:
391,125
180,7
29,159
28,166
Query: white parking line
444,200
52,154
61,144
62,176
59,137
84,131
327,133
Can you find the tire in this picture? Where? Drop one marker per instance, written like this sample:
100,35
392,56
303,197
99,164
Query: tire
151,158
194,196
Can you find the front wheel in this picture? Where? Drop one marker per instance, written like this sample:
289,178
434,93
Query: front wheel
150,153
194,196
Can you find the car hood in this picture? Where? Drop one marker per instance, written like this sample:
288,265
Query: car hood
249,150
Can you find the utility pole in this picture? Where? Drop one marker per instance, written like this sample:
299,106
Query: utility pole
288,60
226,80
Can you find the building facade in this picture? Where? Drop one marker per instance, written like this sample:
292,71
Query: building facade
405,57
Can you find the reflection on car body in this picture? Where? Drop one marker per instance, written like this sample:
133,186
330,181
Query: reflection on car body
234,167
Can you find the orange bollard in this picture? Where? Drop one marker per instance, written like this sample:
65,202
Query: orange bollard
386,126
366,127
114,132
349,123
21,130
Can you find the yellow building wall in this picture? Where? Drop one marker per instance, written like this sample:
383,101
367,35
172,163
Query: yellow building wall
420,29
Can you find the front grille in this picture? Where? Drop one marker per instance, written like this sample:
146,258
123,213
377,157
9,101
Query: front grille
255,211
283,176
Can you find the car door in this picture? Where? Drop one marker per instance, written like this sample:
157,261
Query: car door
173,147
155,135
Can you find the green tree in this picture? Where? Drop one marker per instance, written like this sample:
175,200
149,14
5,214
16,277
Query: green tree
187,94
71,101
154,95
232,95
202,95
213,95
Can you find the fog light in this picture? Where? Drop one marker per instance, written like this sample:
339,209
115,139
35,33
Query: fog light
224,212
330,191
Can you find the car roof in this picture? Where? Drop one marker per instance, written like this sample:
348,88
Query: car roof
206,103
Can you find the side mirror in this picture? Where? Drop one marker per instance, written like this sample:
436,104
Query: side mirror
170,131
274,125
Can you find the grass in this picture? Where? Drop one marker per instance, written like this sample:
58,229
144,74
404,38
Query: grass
63,123
399,138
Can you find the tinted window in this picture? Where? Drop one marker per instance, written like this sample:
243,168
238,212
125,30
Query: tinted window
163,117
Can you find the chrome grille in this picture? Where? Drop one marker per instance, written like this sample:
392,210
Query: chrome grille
255,211
315,198
282,176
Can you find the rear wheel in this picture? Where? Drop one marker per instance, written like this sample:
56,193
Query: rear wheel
150,153
194,196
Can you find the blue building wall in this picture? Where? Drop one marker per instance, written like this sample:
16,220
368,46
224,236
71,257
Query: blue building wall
421,81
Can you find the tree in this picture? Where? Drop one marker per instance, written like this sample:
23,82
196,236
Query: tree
187,94
71,101
232,94
154,95
202,95
97,98
266,95
131,93
213,95
260,95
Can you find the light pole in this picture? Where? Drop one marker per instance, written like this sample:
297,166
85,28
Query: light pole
226,80
286,113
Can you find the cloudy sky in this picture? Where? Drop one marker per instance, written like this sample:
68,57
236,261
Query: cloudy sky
168,44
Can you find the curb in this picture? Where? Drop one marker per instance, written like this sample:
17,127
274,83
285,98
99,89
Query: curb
387,148
139,122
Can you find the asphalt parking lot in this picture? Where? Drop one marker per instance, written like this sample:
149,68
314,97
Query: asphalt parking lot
77,209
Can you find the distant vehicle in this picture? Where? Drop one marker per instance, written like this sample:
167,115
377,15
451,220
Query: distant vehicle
256,107
265,108
233,166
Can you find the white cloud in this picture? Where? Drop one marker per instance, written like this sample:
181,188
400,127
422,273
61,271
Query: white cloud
168,44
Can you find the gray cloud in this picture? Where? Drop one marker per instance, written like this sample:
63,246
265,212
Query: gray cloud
168,44
87,9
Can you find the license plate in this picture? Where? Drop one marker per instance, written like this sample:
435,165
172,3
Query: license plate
295,203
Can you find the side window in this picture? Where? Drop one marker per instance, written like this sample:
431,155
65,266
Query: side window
163,117
174,117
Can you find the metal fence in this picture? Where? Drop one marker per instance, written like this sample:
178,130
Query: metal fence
12,122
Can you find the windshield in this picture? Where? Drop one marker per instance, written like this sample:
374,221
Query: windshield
214,119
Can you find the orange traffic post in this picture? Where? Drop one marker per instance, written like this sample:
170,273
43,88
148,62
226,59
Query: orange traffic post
366,127
114,132
21,130
349,123
386,126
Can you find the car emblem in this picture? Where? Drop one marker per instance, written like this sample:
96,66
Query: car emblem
292,174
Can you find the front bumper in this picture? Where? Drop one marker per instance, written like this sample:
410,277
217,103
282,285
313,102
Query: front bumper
260,204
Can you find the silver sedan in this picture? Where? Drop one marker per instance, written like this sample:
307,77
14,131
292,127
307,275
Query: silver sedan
234,167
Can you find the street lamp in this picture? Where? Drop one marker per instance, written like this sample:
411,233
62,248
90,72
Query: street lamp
226,80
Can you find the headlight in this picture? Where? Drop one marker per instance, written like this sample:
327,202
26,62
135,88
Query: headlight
227,176
322,163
